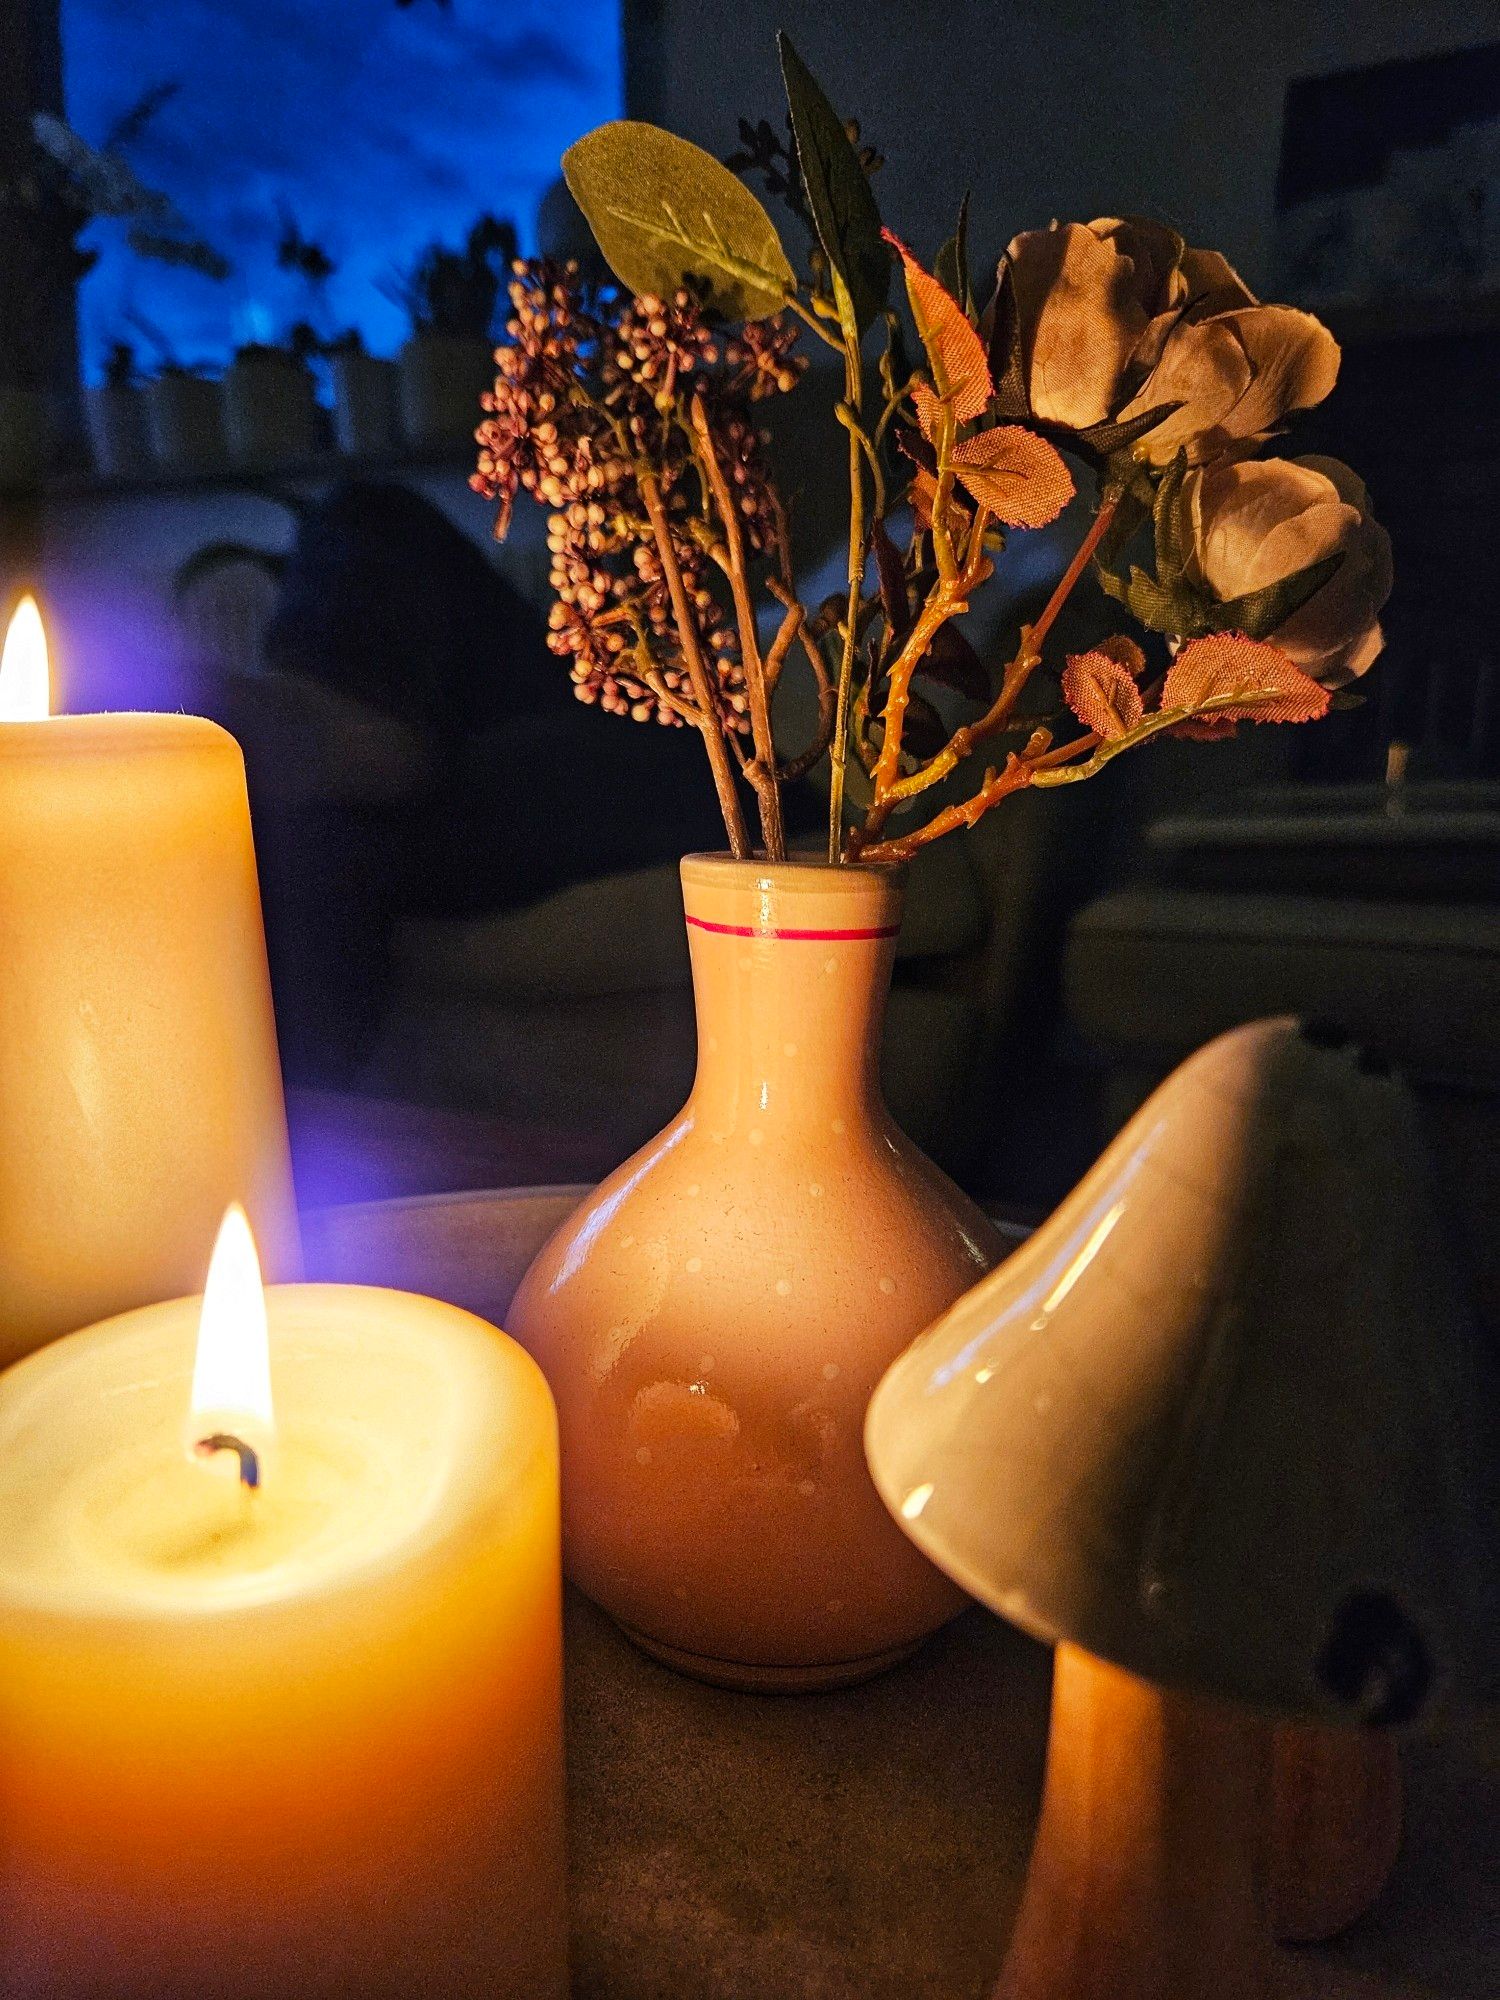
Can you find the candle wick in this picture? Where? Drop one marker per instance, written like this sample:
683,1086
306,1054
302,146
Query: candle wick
247,1455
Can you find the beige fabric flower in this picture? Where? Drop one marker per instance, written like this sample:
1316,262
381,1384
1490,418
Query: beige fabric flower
1237,375
1247,523
1096,302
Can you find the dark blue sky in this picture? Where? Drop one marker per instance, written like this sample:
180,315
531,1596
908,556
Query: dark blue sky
382,127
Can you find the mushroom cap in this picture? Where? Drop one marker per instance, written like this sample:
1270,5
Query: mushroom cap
1226,1419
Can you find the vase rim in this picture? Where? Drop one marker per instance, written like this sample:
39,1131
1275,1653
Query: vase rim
797,875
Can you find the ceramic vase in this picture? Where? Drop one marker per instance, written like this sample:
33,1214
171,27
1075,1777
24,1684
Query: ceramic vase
714,1317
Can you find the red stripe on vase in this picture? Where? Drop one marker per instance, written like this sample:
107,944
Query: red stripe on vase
809,937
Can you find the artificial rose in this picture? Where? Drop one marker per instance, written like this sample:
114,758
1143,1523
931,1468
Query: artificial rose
1237,376
1095,303
1246,523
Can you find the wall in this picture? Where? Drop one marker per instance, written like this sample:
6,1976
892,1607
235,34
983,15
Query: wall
1042,107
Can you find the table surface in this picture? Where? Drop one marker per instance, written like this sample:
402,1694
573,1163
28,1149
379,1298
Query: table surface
868,1844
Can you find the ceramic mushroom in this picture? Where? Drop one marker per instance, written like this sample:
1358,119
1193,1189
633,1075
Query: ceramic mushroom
1222,1431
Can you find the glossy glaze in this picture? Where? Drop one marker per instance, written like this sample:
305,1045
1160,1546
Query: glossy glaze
1224,1419
713,1318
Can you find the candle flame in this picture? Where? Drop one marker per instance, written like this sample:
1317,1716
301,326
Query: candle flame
231,1402
25,682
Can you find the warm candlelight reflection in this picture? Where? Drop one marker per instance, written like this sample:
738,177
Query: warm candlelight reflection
25,684
232,1424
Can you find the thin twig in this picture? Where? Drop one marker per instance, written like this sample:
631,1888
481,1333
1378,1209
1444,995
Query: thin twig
803,762
997,785
709,724
948,597
838,749
786,636
761,773
811,320
1028,657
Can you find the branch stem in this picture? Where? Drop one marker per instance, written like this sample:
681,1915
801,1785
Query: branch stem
762,772
709,724
838,748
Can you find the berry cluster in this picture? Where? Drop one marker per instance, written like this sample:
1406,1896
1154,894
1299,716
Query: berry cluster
592,390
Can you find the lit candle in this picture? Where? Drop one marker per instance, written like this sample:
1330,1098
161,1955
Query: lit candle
140,1091
280,1674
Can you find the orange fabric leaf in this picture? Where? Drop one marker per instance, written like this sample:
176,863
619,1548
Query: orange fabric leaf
1270,687
923,496
1205,729
1102,693
1021,478
1124,652
960,367
929,407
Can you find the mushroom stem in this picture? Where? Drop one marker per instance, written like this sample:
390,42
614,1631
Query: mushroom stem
1144,1880
1335,1828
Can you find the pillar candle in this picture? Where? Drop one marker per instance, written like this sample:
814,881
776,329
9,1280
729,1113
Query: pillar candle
294,1731
140,1089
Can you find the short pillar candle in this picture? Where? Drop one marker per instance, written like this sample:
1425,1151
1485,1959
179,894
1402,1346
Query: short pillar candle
280,1688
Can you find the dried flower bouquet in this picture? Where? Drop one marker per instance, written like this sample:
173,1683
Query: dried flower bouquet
1110,349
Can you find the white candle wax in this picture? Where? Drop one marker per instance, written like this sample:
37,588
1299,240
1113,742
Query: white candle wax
302,1741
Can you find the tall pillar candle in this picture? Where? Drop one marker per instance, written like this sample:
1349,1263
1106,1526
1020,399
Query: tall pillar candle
140,1089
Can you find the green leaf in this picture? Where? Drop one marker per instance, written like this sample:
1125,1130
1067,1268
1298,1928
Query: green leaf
923,731
1259,613
902,363
951,267
1157,609
952,662
1170,553
1130,512
1105,439
838,190
1006,357
895,599
666,214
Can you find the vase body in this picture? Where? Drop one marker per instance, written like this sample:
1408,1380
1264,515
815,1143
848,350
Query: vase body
714,1317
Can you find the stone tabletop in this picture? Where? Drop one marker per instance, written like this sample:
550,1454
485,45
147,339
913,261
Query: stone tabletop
868,1844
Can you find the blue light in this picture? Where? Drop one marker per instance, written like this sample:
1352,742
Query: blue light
380,127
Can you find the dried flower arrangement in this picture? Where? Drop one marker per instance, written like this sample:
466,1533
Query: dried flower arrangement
1112,348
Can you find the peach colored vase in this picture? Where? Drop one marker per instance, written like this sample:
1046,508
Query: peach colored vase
714,1317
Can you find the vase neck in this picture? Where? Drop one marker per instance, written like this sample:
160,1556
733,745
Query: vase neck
791,965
